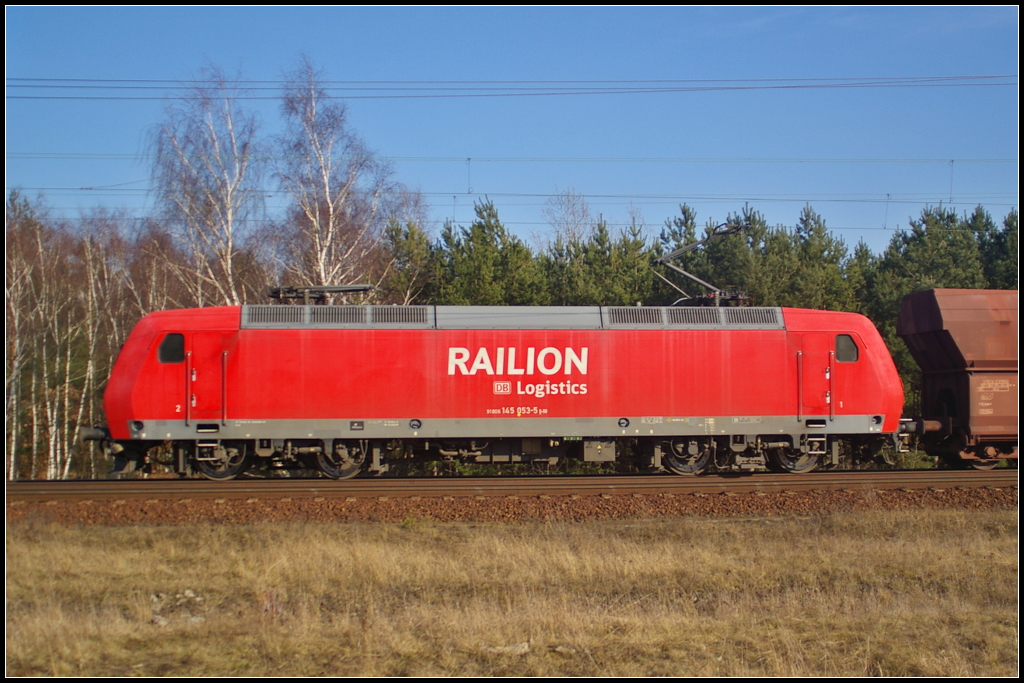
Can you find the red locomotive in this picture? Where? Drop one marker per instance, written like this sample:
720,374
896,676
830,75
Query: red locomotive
349,389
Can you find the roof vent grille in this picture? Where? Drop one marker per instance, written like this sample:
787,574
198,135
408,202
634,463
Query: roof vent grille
638,315
320,315
695,315
751,316
275,314
400,314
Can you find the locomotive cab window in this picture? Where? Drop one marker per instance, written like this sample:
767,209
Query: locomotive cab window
172,348
846,349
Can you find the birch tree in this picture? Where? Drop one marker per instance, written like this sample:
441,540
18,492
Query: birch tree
206,175
20,217
56,328
341,195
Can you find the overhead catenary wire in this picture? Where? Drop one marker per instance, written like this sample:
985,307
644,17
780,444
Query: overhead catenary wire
966,199
162,89
103,156
478,89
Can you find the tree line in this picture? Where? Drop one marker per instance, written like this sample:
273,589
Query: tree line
76,287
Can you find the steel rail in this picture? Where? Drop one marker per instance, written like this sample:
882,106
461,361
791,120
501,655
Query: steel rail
182,489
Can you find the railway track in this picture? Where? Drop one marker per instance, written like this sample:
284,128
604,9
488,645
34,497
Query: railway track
607,485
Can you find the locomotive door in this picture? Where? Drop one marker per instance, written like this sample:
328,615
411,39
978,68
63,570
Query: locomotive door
815,368
205,376
846,372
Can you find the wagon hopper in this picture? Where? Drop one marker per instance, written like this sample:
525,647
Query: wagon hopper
965,342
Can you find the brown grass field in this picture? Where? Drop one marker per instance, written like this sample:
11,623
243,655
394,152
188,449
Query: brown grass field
919,593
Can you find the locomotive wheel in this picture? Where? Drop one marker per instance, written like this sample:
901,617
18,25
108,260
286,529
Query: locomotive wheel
229,465
685,464
127,460
788,460
340,467
123,466
983,465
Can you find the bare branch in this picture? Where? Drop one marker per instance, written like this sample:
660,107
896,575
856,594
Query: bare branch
569,214
342,196
206,176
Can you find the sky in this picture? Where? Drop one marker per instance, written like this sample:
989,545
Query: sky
868,115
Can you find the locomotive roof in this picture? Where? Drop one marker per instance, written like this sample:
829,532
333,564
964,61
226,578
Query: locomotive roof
510,317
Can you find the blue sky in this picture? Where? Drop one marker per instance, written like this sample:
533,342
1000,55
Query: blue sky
866,158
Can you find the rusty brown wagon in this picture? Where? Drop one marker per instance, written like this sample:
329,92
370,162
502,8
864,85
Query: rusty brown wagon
965,341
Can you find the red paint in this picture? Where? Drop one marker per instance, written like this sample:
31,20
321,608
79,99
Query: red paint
403,374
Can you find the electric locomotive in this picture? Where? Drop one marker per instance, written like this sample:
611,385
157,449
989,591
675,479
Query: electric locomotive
352,389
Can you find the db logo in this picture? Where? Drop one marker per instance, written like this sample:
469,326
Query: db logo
503,387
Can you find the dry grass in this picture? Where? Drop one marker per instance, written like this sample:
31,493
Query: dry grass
922,593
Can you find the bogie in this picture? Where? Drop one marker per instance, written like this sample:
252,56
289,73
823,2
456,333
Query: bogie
346,460
688,457
221,461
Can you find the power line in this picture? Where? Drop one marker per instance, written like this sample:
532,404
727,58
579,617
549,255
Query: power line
282,81
476,89
99,156
417,84
732,196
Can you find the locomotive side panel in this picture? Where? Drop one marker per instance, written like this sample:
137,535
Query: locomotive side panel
487,379
453,374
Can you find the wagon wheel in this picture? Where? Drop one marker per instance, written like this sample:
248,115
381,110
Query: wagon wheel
677,459
984,464
228,463
956,460
344,465
790,460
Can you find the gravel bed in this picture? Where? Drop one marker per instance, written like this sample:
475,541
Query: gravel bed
503,509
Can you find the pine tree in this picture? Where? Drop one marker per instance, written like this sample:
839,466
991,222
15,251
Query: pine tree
819,282
484,265
998,248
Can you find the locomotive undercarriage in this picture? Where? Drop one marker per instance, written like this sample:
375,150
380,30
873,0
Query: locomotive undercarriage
347,458
745,453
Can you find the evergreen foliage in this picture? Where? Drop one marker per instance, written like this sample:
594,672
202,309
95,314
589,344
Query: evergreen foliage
484,265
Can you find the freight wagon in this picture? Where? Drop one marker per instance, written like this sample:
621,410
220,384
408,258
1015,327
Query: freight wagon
965,342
